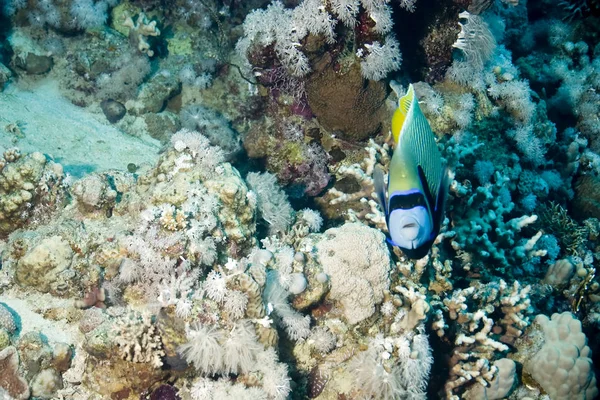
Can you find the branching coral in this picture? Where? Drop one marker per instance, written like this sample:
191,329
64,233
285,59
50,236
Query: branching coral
284,30
139,31
138,339
362,204
476,335
480,228
393,367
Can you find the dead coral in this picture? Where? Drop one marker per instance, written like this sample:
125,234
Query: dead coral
9,378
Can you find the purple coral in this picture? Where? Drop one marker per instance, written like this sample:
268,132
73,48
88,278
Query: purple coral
165,392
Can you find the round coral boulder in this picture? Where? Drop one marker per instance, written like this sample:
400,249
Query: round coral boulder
344,102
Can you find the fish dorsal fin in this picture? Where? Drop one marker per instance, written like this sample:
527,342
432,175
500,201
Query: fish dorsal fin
401,112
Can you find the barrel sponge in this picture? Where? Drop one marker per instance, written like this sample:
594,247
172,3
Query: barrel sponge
563,365
357,261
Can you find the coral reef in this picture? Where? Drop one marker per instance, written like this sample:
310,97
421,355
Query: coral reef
187,206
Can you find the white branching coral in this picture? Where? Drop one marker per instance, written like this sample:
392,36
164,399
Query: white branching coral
475,345
235,304
381,59
177,290
367,207
272,201
515,306
138,339
276,382
140,30
475,39
171,218
240,349
285,30
216,352
321,339
312,218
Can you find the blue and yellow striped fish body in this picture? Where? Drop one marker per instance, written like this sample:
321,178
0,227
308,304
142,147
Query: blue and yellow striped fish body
417,181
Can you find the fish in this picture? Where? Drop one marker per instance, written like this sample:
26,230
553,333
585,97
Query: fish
414,199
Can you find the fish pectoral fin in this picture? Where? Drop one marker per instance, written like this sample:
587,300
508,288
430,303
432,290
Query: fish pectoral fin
379,182
426,190
440,204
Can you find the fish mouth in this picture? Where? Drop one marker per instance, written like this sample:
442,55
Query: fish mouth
409,228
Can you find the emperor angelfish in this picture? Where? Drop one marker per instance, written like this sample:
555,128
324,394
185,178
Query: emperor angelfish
417,182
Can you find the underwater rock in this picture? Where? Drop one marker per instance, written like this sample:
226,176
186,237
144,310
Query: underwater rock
45,384
113,110
237,213
437,43
118,379
172,334
42,265
94,192
344,102
161,126
4,339
34,64
154,94
165,392
212,125
35,353
62,354
5,75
